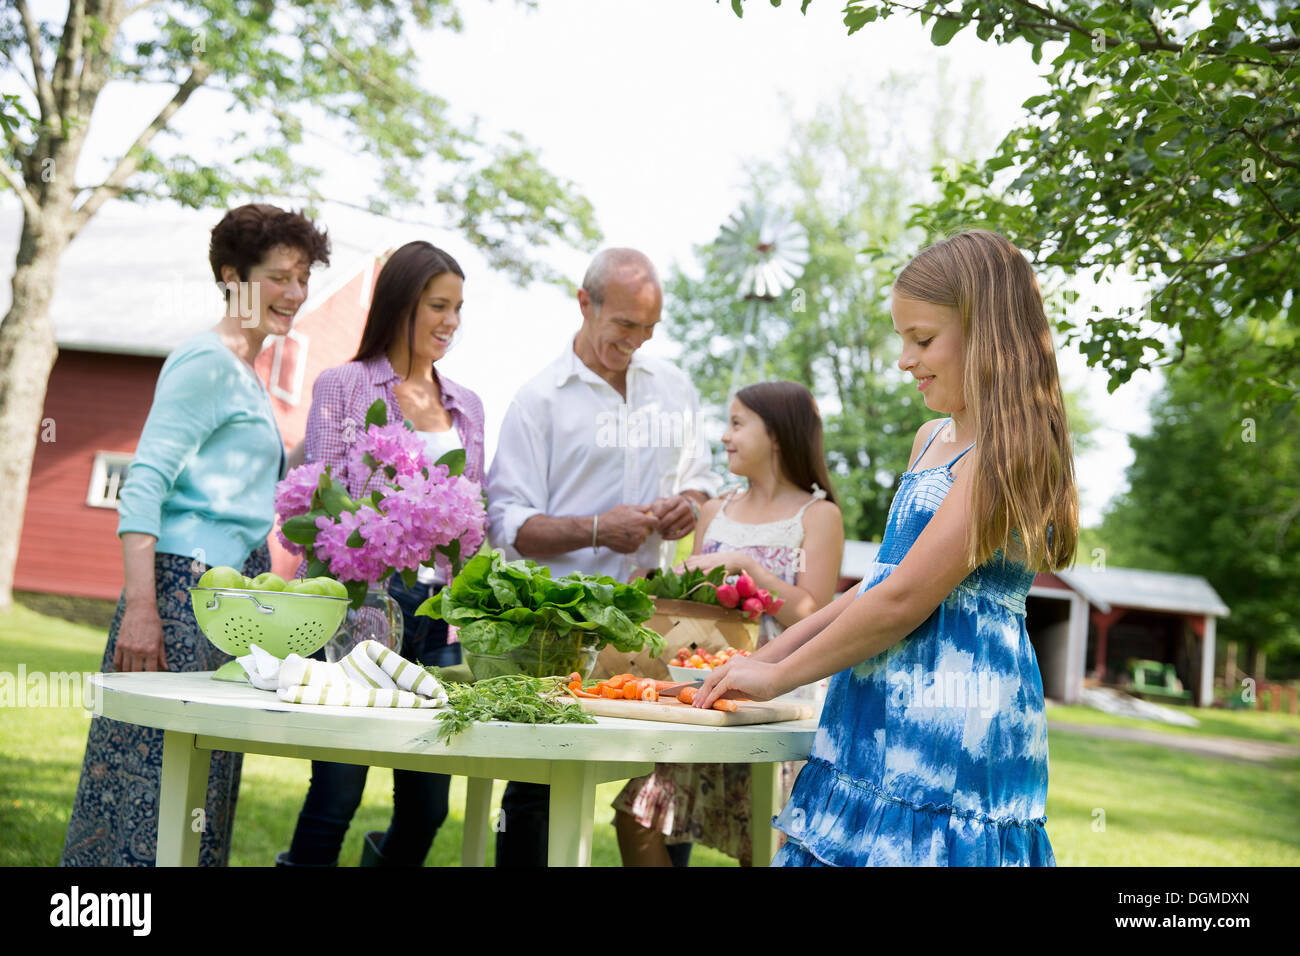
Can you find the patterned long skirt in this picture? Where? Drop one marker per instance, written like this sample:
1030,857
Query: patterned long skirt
115,814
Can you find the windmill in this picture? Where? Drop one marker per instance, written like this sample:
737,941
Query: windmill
766,250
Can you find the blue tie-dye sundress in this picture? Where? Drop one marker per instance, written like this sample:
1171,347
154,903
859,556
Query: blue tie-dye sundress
934,752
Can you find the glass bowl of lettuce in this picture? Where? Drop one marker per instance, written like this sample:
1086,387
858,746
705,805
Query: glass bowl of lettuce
545,654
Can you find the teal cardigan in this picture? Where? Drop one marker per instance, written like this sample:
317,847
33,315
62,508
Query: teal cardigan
203,478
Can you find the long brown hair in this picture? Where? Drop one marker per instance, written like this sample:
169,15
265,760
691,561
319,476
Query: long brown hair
790,414
1022,468
396,298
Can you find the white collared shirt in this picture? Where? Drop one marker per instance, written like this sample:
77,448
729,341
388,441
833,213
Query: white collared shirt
570,445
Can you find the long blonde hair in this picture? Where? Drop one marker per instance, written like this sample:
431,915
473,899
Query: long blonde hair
1023,466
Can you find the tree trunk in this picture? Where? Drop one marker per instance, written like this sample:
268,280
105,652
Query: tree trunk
27,353
1230,665
1257,671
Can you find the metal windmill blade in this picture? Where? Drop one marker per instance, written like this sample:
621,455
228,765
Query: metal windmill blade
766,250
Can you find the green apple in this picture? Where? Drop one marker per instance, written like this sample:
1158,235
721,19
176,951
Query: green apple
268,582
221,577
306,586
333,588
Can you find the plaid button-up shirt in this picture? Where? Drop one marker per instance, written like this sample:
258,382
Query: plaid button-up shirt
338,415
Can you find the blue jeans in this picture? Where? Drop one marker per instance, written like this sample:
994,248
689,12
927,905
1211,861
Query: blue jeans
419,799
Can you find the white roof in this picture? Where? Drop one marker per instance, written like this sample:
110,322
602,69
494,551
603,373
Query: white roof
1150,590
137,280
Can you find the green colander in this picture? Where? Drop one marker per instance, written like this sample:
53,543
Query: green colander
279,622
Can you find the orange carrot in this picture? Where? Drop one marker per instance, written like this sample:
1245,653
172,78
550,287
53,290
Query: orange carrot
648,692
617,681
729,705
632,690
613,693
686,694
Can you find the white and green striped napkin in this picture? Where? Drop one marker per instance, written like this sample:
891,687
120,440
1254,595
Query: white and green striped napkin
370,676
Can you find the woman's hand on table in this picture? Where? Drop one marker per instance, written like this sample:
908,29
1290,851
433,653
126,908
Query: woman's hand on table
139,641
755,680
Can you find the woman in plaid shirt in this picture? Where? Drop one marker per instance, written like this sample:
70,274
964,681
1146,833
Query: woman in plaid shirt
414,314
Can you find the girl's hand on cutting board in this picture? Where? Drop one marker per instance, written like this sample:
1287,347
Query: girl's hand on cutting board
756,680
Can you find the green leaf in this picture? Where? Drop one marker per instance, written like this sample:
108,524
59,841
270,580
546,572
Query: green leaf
377,413
432,606
410,578
356,593
336,501
454,460
855,18
300,529
355,540
944,30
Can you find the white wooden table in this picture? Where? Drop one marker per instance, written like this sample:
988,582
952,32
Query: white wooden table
199,715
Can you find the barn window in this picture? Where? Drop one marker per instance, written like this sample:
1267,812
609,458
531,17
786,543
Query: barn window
289,366
106,477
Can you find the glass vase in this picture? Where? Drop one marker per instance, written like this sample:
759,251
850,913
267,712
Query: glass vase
379,618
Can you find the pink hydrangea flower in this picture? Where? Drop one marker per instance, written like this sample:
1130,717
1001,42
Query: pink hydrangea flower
423,507
293,494
392,446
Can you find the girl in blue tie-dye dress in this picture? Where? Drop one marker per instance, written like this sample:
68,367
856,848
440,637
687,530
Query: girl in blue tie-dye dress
932,746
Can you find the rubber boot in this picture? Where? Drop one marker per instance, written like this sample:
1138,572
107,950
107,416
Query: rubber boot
282,859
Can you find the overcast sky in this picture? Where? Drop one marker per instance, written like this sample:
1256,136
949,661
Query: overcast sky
651,107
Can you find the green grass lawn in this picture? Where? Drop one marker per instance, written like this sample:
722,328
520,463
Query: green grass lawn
1161,807
1246,724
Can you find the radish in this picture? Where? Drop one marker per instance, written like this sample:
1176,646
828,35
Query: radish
728,596
745,586
752,606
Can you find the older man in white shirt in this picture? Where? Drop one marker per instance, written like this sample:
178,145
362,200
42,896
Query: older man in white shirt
600,462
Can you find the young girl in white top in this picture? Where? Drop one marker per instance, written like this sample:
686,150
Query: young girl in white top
785,531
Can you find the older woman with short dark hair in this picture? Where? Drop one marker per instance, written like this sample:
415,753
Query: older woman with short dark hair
199,493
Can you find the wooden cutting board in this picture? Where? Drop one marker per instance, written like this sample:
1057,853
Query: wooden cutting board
671,710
